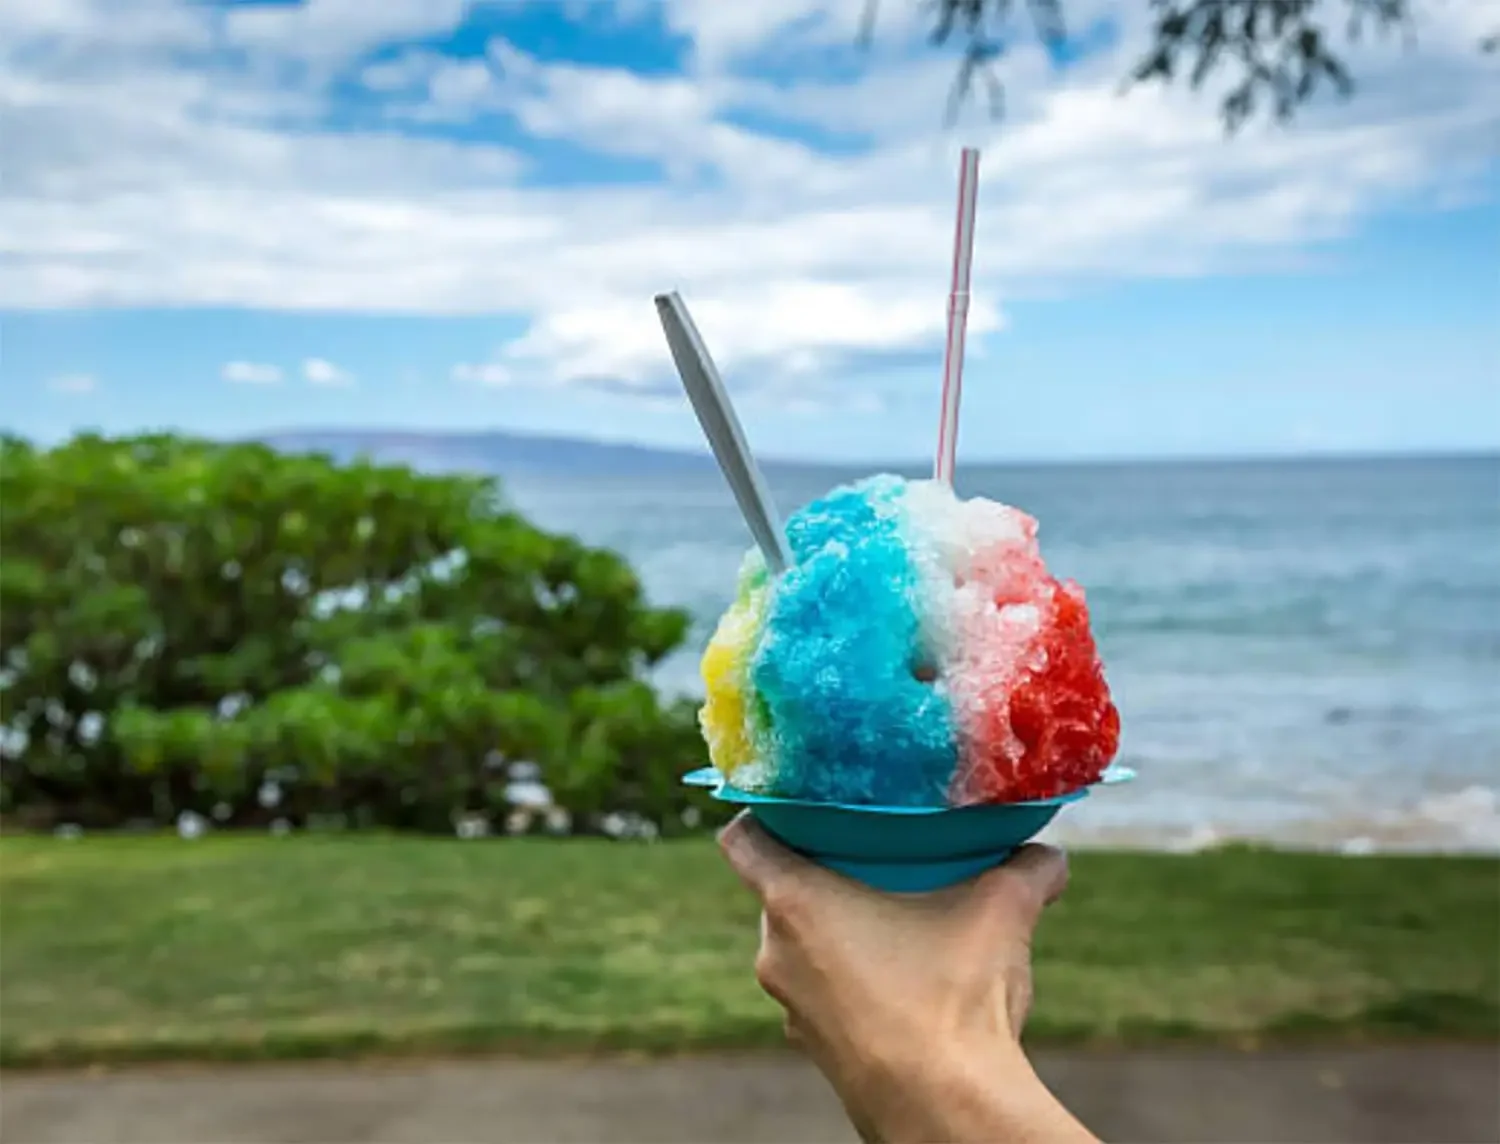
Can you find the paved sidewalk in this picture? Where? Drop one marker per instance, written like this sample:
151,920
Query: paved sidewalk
1436,1095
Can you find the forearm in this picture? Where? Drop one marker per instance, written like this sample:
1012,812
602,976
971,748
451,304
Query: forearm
959,1099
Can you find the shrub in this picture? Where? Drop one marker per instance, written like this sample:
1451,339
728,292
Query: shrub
248,635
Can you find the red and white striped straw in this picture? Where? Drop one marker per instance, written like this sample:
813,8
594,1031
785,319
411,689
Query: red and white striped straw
958,314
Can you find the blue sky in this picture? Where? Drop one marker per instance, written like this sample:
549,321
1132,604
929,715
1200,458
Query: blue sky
439,215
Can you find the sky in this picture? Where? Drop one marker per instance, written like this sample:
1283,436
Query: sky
235,217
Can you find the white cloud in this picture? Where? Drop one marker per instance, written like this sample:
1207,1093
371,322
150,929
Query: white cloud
137,177
721,31
73,383
795,328
483,373
321,371
251,373
337,30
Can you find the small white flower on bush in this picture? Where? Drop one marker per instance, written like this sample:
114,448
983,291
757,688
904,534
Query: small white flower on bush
618,825
469,826
518,822
530,795
191,824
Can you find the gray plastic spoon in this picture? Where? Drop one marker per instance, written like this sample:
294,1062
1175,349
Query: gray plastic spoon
705,389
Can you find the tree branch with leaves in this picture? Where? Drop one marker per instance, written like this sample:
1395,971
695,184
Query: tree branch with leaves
1279,54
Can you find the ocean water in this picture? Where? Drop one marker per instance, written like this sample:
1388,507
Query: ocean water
1302,652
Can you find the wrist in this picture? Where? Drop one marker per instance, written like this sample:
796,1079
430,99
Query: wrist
970,1097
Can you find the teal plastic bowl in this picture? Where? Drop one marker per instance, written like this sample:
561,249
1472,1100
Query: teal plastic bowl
897,848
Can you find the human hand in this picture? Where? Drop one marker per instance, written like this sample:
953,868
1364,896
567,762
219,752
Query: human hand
911,1005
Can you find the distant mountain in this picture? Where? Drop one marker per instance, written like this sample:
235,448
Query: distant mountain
523,454
490,452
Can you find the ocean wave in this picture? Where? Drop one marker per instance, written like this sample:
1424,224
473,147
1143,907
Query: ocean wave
1466,820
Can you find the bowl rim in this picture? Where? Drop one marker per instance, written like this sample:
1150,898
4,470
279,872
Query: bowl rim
721,789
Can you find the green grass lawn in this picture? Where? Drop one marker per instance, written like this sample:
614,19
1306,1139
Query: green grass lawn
133,948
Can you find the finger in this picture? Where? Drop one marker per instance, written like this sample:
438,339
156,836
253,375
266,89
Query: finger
1018,1003
1032,878
756,857
1043,867
793,1033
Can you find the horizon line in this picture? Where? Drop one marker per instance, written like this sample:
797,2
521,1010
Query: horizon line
683,453
1418,453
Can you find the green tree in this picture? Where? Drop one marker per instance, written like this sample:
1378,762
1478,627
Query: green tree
246,634
1277,53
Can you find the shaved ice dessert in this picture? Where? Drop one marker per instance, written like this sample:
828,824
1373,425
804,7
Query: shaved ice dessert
916,652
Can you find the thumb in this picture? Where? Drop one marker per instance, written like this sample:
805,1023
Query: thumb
1029,880
759,860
